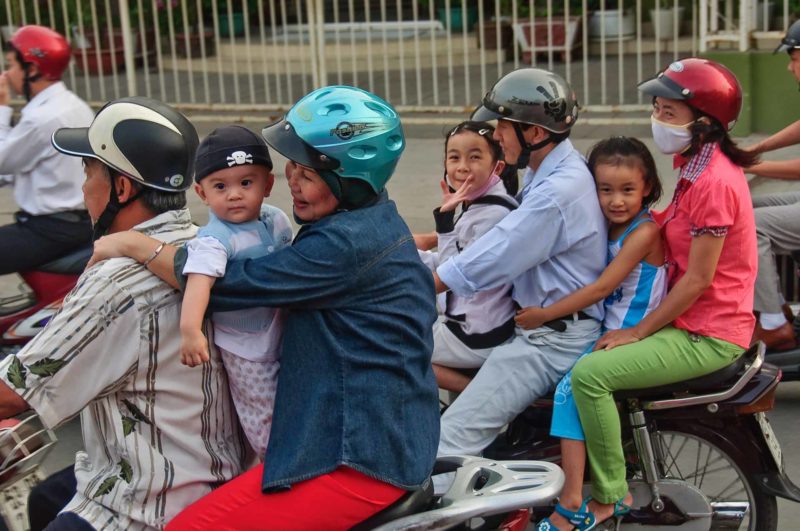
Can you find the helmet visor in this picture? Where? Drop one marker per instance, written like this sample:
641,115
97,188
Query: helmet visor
282,137
787,44
665,87
73,141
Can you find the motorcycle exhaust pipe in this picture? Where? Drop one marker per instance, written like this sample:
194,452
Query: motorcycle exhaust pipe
728,515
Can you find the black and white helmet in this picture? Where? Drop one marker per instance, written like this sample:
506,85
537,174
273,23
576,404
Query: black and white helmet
143,139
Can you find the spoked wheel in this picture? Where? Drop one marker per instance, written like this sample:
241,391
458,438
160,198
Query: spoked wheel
719,474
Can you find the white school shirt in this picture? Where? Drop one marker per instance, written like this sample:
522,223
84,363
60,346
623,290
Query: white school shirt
45,181
157,435
549,247
488,309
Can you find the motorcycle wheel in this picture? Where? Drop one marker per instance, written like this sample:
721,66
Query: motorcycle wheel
712,465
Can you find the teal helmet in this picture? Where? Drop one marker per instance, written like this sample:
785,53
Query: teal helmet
351,137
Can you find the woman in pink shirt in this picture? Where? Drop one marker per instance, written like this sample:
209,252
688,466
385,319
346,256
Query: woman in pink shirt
706,320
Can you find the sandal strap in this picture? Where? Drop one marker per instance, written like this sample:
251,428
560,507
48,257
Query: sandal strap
581,519
621,509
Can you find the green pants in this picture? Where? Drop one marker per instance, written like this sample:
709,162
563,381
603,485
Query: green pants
670,355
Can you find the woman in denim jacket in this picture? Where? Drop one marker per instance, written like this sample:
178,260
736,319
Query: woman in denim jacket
356,420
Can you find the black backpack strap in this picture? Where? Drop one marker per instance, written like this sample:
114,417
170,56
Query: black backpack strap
495,200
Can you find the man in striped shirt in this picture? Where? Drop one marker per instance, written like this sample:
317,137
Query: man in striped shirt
157,434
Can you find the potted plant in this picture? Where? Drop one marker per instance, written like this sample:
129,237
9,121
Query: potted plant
666,16
545,32
192,27
610,21
460,15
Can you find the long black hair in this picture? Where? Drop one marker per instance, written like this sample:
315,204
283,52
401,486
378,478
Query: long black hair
711,130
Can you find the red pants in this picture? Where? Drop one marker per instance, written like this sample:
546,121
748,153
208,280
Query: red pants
333,501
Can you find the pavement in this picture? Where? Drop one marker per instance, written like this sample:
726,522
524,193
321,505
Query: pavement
415,188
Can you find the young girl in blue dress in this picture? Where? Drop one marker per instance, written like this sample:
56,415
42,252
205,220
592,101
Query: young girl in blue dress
633,284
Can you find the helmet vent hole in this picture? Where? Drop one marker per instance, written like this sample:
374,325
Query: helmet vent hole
362,152
394,142
102,146
334,109
380,109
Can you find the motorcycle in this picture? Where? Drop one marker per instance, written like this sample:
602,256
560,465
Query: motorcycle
23,316
496,494
700,454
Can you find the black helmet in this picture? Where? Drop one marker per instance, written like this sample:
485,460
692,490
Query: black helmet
142,138
790,41
531,96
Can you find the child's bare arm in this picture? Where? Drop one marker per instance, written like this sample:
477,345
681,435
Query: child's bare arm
638,245
194,345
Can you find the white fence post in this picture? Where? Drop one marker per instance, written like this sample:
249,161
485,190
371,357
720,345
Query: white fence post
129,45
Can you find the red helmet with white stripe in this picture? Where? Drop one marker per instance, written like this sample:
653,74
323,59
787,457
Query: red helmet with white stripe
705,85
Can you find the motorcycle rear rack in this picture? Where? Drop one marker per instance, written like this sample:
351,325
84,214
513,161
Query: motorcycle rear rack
485,487
696,400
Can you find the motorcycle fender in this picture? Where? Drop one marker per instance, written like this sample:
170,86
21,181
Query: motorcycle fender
778,484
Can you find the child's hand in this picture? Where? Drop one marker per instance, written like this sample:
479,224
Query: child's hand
531,317
450,200
194,348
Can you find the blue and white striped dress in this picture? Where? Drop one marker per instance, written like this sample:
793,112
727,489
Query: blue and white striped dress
639,293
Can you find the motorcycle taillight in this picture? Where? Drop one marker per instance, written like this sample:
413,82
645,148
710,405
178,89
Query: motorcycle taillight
516,521
765,403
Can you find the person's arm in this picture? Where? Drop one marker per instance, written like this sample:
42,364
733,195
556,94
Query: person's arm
425,241
704,253
141,248
194,345
637,246
86,351
505,252
777,169
787,136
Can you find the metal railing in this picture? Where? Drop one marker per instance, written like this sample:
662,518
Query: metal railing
427,56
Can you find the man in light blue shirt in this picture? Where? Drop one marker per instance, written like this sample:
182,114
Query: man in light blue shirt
552,245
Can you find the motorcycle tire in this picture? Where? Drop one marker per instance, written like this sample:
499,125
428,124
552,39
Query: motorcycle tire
714,464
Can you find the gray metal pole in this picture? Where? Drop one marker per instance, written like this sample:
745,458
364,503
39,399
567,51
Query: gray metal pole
129,45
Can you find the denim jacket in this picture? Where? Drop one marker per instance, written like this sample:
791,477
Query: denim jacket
356,386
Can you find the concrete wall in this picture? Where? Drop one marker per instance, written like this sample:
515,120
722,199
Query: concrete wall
771,97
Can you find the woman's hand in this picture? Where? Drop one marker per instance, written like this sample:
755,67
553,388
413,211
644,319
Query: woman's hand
194,348
450,200
125,243
617,338
531,317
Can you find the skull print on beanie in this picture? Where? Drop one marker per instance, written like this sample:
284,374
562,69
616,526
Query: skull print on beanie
229,146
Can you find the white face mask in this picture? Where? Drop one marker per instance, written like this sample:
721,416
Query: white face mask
671,138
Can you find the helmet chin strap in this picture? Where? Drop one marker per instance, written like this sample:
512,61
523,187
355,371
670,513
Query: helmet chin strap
525,155
113,207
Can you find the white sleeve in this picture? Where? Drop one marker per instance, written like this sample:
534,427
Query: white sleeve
206,256
429,258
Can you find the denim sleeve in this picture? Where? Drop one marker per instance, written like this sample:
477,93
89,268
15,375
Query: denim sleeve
318,271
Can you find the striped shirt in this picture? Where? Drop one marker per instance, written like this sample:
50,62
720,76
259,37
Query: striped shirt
157,435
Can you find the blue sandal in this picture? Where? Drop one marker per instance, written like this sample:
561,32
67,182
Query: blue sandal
581,519
620,510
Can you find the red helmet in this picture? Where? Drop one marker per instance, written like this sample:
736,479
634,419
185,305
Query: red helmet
705,85
45,48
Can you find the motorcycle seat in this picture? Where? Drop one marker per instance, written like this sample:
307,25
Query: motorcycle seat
71,264
715,381
409,503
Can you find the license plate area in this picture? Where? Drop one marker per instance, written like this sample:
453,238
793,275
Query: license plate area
772,441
